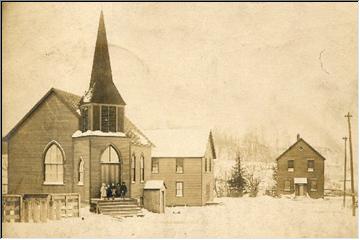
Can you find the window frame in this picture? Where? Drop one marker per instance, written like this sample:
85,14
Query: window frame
287,189
290,169
182,165
182,189
142,168
106,124
59,165
309,169
311,185
133,168
84,118
110,147
153,160
81,172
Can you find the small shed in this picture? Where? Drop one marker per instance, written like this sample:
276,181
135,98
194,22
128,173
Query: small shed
154,196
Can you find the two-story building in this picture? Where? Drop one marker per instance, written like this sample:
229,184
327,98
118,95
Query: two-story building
301,170
184,158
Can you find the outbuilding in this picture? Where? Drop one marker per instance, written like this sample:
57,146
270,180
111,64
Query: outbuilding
154,196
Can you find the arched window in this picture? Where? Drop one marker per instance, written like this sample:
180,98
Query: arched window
142,170
109,155
54,164
133,168
81,172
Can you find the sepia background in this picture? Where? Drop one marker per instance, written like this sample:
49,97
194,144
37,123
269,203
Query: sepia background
260,72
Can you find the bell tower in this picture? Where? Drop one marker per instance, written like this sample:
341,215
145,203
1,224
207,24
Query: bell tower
102,107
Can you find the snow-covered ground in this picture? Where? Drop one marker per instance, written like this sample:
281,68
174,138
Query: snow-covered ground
236,217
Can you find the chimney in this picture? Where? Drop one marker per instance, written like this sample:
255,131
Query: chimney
298,137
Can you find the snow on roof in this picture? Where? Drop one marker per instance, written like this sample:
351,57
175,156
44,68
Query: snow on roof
300,180
154,184
189,142
78,133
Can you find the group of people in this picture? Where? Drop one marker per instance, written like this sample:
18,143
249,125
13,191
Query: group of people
112,191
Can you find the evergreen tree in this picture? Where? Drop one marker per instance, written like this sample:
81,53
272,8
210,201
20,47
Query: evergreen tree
237,181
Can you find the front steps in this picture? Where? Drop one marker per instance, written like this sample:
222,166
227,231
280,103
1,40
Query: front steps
118,208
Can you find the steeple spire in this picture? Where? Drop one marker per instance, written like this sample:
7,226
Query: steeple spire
102,88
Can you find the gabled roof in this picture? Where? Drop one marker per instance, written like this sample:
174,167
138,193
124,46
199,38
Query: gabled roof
190,142
300,140
69,99
102,88
72,101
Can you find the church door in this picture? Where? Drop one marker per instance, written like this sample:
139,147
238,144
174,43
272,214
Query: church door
110,166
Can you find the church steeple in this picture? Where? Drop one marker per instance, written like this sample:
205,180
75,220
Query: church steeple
102,88
102,107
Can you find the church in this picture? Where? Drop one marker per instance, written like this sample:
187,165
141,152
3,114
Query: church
73,144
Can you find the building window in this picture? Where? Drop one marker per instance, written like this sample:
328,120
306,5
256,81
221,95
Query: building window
206,162
109,155
84,119
313,185
133,168
54,168
287,185
108,118
290,165
179,165
142,169
155,165
179,189
81,172
311,165
210,164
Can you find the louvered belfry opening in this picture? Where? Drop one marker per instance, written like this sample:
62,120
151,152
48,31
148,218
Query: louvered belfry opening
102,107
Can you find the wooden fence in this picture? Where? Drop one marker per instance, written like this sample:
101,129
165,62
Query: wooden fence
40,207
11,208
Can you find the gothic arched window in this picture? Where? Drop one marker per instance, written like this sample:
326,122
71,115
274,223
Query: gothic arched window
54,164
81,172
110,155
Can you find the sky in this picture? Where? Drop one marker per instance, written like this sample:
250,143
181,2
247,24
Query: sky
276,68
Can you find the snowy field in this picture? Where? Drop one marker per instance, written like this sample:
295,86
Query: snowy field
236,217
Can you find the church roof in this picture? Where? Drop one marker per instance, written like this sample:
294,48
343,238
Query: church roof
102,88
189,142
72,101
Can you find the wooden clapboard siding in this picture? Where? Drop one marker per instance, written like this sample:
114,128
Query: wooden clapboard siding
191,179
51,120
138,186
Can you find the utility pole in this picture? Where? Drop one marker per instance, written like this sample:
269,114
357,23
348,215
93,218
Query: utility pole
348,116
345,138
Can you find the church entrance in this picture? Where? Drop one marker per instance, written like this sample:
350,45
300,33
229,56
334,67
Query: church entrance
110,173
110,166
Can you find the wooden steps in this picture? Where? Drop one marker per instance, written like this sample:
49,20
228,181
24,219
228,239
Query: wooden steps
118,208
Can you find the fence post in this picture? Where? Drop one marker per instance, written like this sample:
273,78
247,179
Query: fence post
36,210
58,210
43,210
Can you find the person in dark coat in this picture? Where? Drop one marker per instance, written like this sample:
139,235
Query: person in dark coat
113,191
108,192
118,190
123,190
